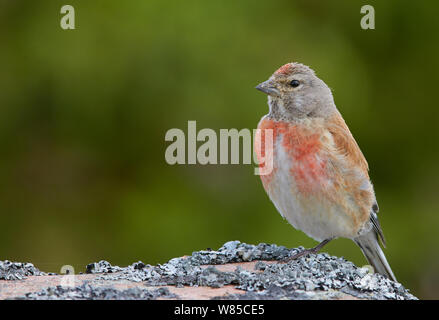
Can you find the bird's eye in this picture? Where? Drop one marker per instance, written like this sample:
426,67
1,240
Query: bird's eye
294,83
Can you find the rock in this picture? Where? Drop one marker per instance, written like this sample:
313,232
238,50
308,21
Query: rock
234,271
17,270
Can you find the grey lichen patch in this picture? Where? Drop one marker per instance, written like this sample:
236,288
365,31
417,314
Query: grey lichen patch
17,270
102,267
305,278
89,292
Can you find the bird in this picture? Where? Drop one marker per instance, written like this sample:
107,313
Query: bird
319,180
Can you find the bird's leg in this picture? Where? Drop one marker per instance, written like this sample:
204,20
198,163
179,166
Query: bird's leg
306,252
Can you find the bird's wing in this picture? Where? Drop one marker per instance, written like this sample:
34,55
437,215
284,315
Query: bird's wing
376,223
346,144
347,147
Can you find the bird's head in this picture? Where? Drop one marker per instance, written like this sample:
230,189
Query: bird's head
295,92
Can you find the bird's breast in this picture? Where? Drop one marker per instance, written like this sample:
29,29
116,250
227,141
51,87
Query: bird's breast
297,151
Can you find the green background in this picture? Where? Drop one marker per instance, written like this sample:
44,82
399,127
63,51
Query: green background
83,116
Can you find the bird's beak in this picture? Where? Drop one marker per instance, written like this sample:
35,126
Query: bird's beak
268,87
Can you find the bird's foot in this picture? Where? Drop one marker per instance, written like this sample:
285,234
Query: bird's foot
306,252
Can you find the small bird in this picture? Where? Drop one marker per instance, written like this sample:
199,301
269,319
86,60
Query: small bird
319,181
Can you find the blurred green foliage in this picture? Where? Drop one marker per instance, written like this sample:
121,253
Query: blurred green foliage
83,115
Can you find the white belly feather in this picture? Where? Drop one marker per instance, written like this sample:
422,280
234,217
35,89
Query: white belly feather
315,215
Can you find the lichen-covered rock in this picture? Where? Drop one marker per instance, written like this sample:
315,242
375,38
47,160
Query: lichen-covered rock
17,270
86,291
315,272
234,271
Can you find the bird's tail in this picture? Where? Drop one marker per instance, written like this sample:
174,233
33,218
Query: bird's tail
370,246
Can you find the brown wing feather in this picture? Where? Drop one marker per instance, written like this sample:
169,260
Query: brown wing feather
347,146
346,143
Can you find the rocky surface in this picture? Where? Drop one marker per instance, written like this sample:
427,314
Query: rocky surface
235,271
17,270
